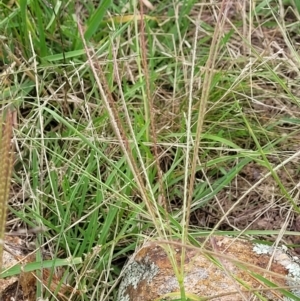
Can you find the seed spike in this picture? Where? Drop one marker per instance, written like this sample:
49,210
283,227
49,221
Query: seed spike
6,163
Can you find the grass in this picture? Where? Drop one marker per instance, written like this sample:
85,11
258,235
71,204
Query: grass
151,127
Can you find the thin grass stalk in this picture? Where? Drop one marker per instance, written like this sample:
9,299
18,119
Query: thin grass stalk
209,67
151,110
117,126
6,163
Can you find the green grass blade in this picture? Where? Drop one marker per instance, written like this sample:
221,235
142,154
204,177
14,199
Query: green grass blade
95,20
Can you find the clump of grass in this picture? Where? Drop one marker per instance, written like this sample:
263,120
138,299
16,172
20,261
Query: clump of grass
154,132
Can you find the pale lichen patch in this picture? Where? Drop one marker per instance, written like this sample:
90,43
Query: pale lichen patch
262,249
134,274
195,276
169,285
288,262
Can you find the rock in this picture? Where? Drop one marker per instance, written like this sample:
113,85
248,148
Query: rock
9,287
229,270
23,286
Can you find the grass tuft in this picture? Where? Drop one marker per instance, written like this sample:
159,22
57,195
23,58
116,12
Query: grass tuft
145,122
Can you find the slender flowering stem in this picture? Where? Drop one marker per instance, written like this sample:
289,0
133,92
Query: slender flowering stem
6,162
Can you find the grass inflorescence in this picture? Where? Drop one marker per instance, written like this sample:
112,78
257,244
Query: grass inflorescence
6,165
